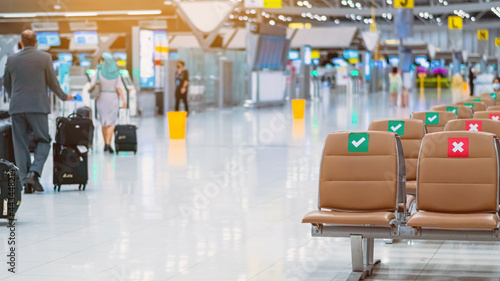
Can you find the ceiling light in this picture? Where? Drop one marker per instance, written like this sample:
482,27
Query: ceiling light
167,3
82,14
19,15
57,7
473,19
271,22
337,21
445,3
300,3
145,12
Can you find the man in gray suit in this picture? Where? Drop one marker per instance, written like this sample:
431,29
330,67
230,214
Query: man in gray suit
27,76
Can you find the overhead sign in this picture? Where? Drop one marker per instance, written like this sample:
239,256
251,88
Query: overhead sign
482,34
408,4
263,3
455,22
497,41
272,3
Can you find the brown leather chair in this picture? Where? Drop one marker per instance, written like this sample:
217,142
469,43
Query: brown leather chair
495,98
413,131
477,106
474,125
457,181
359,185
434,124
493,115
487,100
462,112
493,108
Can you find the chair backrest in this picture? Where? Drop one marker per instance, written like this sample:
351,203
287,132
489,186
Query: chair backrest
462,112
434,120
361,171
487,100
411,132
493,108
493,115
493,96
474,125
477,106
458,173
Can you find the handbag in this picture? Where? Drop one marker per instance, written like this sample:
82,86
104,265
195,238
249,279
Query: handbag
95,92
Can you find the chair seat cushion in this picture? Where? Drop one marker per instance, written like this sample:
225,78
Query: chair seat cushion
411,187
458,221
348,218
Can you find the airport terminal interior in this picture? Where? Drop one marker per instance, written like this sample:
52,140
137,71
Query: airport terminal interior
255,140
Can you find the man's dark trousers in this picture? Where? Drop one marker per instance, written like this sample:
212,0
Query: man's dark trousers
21,124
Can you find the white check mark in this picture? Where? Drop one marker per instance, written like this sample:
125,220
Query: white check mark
432,118
358,143
394,129
495,118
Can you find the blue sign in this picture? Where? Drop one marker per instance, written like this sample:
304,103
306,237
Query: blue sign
293,55
351,54
394,61
339,62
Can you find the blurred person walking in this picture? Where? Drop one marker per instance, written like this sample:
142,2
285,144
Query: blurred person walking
182,86
395,85
108,104
27,76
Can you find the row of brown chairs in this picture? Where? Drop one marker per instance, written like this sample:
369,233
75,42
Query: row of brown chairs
448,160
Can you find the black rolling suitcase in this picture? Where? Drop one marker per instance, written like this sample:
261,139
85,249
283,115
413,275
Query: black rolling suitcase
70,166
6,143
84,112
73,131
125,134
10,190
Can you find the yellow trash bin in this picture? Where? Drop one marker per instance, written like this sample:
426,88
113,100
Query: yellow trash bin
298,108
177,124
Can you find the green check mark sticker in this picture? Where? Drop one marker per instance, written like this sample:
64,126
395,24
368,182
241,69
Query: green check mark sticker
431,118
358,142
452,109
469,105
476,100
493,95
396,126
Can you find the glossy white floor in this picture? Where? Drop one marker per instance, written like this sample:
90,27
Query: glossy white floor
225,204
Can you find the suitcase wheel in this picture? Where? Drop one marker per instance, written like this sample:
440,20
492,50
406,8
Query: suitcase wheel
79,187
84,186
11,222
135,152
59,188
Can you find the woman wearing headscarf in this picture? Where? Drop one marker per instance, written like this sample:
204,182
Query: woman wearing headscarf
107,103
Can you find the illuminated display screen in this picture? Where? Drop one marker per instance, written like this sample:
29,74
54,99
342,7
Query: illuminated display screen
48,38
86,37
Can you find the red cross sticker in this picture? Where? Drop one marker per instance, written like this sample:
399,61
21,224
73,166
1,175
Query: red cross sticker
458,147
494,116
474,126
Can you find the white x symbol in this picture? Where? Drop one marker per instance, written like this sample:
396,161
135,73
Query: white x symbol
458,147
473,127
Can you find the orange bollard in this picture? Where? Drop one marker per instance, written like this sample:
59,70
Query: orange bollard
298,108
177,124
